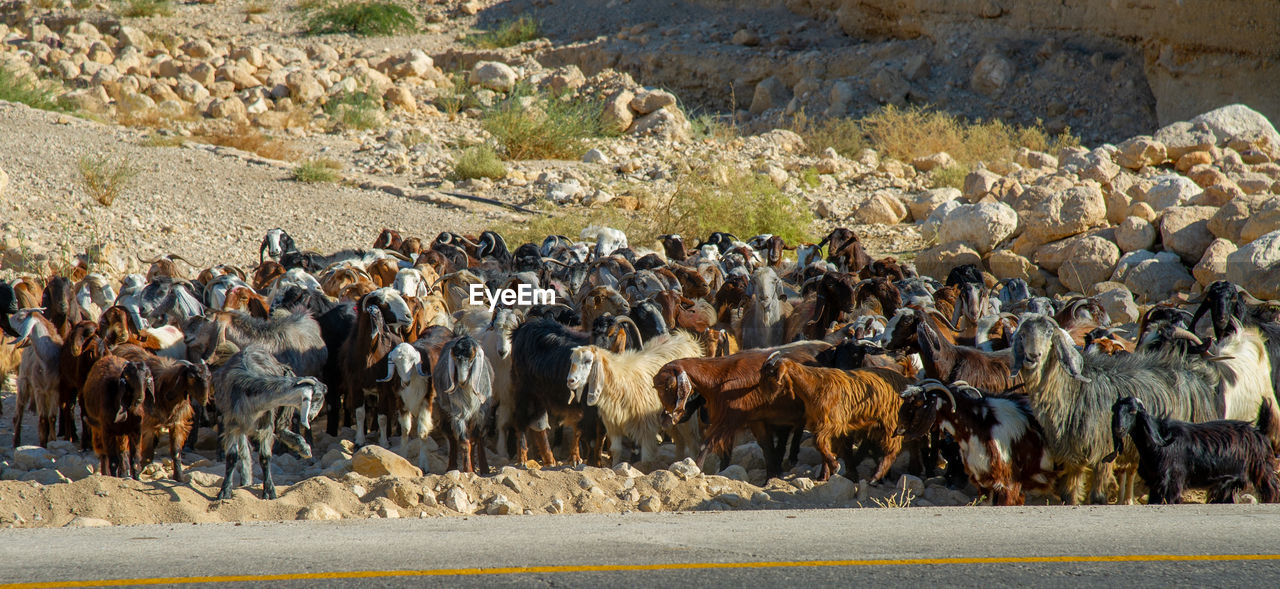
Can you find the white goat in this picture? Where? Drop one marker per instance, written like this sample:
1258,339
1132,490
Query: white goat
495,340
404,361
621,387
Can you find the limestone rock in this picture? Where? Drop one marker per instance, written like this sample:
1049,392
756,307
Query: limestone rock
1185,231
87,522
880,208
1184,137
1066,213
1213,265
376,461
1256,266
992,73
33,458
922,204
494,75
1231,218
1238,120
1089,261
1135,233
981,226
836,489
1262,222
319,511
936,161
617,114
770,93
1005,264
1140,151
938,261
648,101
978,183
1171,191
1118,303
1159,277
457,500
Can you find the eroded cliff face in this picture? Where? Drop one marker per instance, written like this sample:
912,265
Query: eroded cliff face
1196,55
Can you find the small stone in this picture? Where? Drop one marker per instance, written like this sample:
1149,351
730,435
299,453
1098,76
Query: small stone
457,500
494,75
1139,152
650,504
376,461
595,156
745,37
648,101
319,511
87,522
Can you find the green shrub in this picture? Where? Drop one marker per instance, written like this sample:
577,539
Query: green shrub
478,162
355,110
553,128
140,8
505,34
28,91
369,19
318,170
952,176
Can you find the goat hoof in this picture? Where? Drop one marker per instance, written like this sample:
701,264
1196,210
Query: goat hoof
269,494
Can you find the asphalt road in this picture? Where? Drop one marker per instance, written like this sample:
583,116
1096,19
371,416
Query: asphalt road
1237,546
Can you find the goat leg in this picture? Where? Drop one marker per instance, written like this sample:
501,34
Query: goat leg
453,449
543,447
830,465
177,436
892,446
481,457
264,461
1103,475
135,455
464,443
772,456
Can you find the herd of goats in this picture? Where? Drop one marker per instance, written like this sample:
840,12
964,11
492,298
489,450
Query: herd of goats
1014,392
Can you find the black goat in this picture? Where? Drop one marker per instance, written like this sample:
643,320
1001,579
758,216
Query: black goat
1221,455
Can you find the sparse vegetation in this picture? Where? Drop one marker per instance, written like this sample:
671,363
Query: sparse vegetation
355,110
707,126
29,91
142,8
259,7
552,128
250,139
105,179
478,162
708,197
158,140
369,19
952,176
900,499
505,34
905,134
810,177
318,170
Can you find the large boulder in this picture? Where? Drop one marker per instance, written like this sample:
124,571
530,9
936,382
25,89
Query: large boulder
922,204
376,461
881,208
1262,222
938,261
1139,152
1213,265
978,183
1089,262
1183,137
1238,121
1051,256
1231,218
1158,278
929,229
1171,190
770,93
1185,231
1066,213
493,75
1135,233
981,226
1117,301
617,116
1256,266
1005,264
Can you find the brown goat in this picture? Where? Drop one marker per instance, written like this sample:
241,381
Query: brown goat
839,404
846,251
79,352
729,387
341,278
680,312
388,239
692,284
383,272
601,300
266,274
179,387
244,299
115,399
949,363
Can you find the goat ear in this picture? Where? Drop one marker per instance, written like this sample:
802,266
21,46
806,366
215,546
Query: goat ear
1153,432
1071,359
481,379
443,377
1015,366
595,381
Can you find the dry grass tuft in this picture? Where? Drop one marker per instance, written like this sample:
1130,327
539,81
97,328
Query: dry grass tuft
250,139
105,179
318,170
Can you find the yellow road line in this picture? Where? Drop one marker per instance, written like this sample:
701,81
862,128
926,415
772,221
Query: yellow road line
640,567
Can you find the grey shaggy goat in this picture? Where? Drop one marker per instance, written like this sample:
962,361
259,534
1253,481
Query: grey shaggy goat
248,391
1072,393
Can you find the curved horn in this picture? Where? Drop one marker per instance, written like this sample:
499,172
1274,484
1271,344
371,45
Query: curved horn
1180,332
391,371
632,330
148,261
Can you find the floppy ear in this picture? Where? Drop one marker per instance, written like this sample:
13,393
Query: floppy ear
595,381
1149,423
443,376
1071,360
1016,345
481,378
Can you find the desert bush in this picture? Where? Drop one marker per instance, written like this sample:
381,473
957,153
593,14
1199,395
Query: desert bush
478,162
552,128
105,179
141,8
248,138
355,110
29,91
505,34
952,176
318,170
360,18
